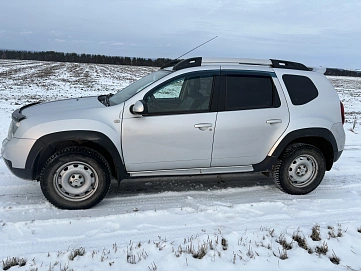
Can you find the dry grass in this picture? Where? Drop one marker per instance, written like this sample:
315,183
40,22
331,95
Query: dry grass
334,259
76,252
301,241
333,234
323,249
215,246
224,244
282,254
316,234
283,242
13,261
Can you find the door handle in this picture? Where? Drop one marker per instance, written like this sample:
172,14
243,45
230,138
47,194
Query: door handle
203,126
274,121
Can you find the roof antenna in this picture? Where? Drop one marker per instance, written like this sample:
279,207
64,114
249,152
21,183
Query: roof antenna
198,46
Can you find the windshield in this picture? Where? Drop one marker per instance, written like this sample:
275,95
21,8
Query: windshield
137,86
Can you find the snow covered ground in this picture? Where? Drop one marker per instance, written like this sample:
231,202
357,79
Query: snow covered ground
229,222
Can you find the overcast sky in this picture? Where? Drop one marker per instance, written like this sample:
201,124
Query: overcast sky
314,32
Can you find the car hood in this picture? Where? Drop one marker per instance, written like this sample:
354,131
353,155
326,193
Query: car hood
61,106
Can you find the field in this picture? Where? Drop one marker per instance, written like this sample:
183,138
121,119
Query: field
229,222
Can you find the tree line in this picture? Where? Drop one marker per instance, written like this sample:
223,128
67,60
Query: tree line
341,72
82,58
117,60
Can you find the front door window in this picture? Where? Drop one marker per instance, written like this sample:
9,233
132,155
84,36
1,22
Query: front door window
187,94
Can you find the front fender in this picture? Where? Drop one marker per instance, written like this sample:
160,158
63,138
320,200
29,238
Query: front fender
94,137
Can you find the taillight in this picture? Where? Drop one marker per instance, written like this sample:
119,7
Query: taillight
342,113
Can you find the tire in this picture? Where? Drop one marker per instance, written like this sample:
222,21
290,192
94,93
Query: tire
75,178
299,169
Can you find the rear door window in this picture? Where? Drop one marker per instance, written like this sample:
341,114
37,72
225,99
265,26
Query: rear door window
246,91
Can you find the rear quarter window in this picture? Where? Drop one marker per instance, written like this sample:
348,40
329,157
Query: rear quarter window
300,88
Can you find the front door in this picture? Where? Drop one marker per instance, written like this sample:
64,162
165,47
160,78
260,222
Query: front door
177,132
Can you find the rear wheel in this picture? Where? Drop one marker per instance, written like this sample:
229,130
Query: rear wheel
75,178
300,169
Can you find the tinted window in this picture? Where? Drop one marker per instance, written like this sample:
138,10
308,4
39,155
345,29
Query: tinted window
300,88
247,92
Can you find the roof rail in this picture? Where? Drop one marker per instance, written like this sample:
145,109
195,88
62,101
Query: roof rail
283,64
246,61
198,61
317,69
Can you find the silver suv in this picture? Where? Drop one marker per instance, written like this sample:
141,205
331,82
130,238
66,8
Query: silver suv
195,116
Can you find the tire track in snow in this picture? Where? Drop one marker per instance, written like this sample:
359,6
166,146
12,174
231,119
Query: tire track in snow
23,206
169,223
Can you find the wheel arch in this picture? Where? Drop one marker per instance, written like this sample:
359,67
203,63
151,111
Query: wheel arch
45,146
321,138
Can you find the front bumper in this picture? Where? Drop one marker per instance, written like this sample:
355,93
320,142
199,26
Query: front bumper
14,153
18,172
337,155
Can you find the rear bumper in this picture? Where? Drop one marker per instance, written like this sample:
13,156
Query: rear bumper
340,137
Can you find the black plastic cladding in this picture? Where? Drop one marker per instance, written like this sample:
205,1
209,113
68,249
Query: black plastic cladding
283,64
197,61
188,63
17,116
171,64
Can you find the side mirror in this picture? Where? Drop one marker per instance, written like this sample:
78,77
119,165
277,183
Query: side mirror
140,108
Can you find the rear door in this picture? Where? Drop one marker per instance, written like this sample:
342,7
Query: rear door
253,114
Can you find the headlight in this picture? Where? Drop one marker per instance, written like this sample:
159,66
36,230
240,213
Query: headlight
16,125
10,132
12,129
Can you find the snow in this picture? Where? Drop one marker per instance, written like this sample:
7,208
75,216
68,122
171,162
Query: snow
168,223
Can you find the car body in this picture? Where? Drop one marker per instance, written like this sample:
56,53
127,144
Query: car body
195,116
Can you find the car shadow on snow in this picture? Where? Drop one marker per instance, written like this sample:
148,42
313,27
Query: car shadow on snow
150,185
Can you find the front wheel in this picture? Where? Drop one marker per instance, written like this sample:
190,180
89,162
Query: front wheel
75,178
300,169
